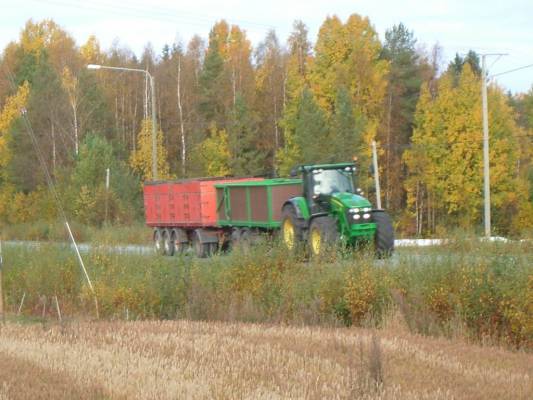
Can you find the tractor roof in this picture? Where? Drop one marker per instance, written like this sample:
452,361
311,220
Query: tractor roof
309,167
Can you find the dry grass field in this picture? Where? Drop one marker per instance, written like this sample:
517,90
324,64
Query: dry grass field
200,360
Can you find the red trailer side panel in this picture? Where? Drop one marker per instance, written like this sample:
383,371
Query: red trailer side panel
186,204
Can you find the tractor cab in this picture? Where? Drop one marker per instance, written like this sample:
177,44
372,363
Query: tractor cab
322,181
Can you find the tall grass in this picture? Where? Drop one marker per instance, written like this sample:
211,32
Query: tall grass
483,291
137,233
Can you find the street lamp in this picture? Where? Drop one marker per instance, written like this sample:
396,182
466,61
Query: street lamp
154,126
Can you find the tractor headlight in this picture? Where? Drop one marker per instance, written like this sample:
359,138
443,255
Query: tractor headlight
356,217
366,216
367,209
354,210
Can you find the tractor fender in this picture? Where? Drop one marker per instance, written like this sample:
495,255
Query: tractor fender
300,206
207,236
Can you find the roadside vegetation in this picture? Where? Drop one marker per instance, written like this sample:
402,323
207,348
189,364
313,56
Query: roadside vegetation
136,233
480,292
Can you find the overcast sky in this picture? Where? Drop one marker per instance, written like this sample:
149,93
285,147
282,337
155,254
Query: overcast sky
489,26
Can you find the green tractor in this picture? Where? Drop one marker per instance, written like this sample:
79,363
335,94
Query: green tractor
332,211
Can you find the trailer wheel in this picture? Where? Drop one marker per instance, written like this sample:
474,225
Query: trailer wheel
242,238
168,243
213,248
181,248
202,250
158,242
384,239
179,237
323,235
291,232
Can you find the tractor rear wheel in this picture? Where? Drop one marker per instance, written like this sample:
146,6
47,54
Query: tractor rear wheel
323,235
384,239
291,232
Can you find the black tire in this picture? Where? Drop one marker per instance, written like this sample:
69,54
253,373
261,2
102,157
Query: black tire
384,239
233,241
288,215
180,247
247,238
246,235
158,242
213,249
168,243
325,231
202,250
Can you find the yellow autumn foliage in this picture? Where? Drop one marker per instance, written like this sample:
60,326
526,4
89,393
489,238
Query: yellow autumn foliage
215,153
348,55
141,159
90,51
446,159
11,111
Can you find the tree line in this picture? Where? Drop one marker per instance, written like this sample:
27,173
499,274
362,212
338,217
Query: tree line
227,108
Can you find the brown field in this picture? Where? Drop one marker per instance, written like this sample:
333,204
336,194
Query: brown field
184,359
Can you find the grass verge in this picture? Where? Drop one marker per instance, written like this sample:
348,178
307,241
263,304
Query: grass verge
479,291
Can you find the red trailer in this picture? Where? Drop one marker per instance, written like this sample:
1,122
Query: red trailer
183,212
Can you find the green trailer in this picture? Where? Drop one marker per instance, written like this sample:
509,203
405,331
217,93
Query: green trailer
255,204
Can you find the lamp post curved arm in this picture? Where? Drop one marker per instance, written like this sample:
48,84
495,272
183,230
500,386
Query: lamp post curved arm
154,121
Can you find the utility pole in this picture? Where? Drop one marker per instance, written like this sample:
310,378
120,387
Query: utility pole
376,174
486,161
154,129
486,169
106,195
1,286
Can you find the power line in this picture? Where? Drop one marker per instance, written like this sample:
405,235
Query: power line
158,14
511,70
444,145
495,61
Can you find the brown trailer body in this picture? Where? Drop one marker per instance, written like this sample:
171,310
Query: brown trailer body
255,204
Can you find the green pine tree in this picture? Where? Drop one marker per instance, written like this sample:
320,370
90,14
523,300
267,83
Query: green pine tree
311,133
404,82
247,158
211,103
346,129
86,189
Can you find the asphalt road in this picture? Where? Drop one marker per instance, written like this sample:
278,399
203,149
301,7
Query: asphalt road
408,251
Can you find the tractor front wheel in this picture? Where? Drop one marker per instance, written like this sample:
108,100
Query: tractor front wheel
323,235
384,240
291,232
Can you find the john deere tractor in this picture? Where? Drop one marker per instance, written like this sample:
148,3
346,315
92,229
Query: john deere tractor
331,212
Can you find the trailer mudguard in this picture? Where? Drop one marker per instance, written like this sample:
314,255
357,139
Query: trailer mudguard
207,236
